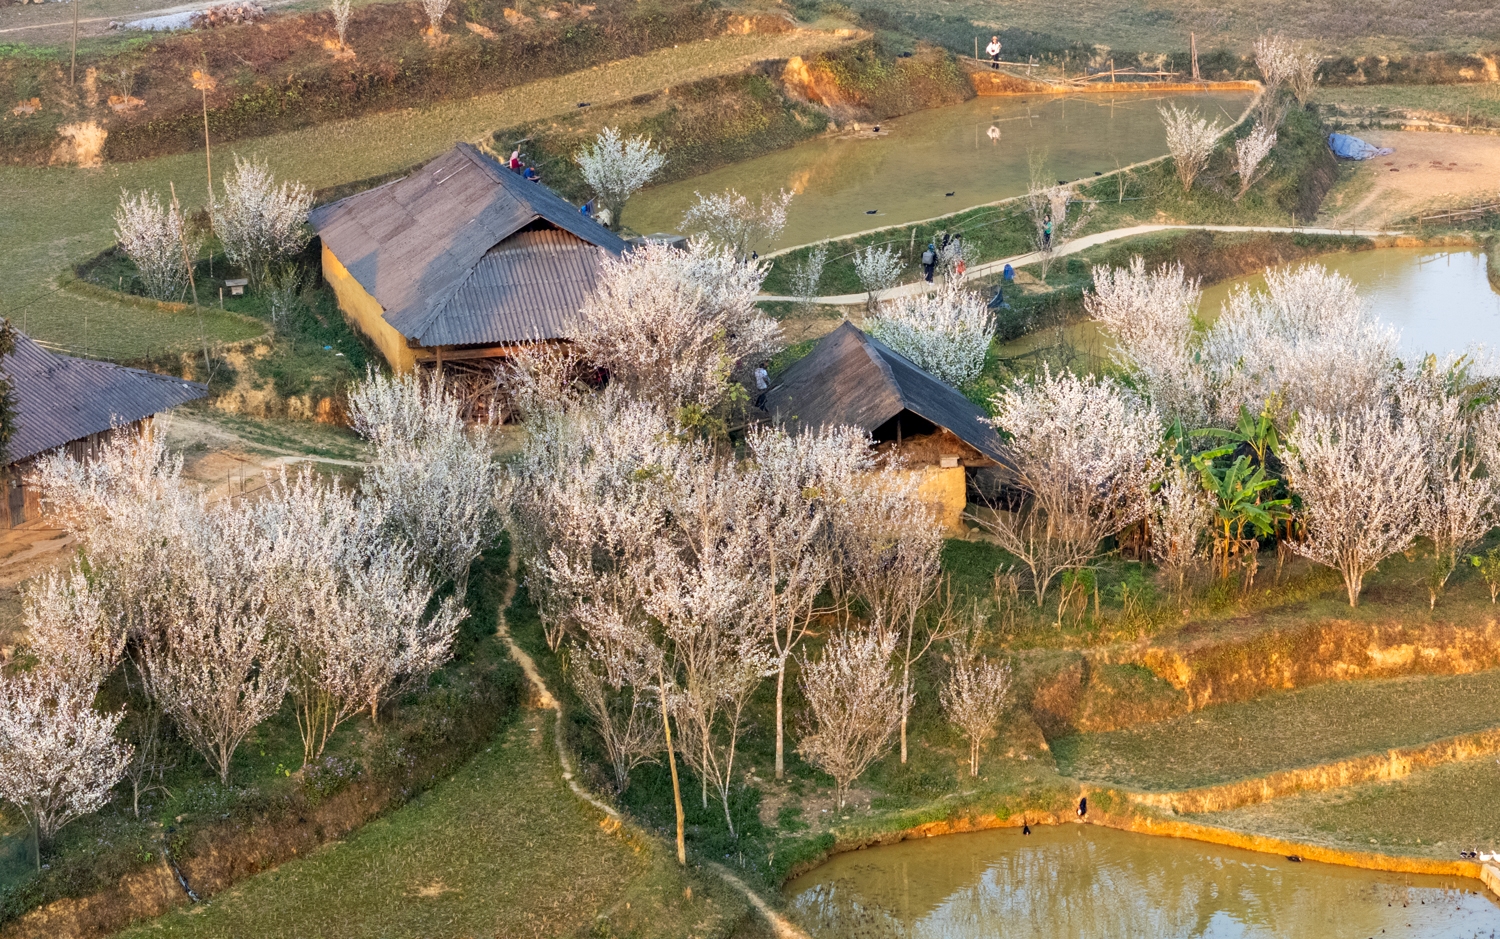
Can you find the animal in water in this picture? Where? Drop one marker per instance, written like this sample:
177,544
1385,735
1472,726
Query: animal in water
584,104
1083,806
1025,829
954,192
1062,182
1097,173
877,128
871,211
1295,859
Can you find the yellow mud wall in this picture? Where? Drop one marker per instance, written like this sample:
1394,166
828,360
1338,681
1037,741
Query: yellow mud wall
366,313
944,490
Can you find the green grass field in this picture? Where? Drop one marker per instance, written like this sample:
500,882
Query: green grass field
1476,104
1437,813
1285,730
500,849
52,218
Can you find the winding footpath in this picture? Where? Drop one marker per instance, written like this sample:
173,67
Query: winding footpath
1075,246
781,927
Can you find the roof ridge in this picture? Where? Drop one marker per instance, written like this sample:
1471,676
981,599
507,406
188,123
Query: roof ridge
874,348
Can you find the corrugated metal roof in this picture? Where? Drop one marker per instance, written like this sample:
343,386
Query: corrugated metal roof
60,399
421,246
851,378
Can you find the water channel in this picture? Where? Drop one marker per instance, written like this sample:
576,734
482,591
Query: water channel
1085,882
1440,300
936,161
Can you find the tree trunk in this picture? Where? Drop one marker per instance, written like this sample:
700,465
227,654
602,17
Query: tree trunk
666,724
780,689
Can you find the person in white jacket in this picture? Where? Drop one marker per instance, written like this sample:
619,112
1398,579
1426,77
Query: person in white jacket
993,49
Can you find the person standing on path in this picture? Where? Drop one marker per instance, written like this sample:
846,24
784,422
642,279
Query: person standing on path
993,49
929,261
1047,234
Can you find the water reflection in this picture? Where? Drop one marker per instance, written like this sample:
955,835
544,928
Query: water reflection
978,151
1080,881
1440,301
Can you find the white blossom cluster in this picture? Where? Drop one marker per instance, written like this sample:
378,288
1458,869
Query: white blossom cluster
1191,140
616,167
155,239
732,221
946,332
258,221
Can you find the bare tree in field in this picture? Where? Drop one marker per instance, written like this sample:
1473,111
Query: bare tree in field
1054,222
854,705
890,546
808,274
258,221
946,333
1250,152
616,167
58,756
673,326
342,11
798,481
977,691
437,479
624,717
1150,317
1446,405
878,267
733,222
215,661
1362,478
1304,77
1087,452
350,603
1191,140
1180,516
152,236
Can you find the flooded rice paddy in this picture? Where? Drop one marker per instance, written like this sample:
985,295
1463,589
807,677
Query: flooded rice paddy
1085,882
937,161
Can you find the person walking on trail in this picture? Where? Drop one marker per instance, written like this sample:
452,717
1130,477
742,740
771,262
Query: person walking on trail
762,384
993,50
929,261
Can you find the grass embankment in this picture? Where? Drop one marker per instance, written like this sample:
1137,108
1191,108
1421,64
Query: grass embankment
1302,171
1472,105
271,811
278,74
1434,813
703,125
1321,724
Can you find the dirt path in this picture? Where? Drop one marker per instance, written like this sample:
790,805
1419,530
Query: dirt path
1428,172
1073,247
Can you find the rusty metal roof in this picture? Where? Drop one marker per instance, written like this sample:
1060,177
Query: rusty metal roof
453,256
851,378
60,399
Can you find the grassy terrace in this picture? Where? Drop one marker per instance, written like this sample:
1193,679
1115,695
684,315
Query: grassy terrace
1313,725
501,848
1436,813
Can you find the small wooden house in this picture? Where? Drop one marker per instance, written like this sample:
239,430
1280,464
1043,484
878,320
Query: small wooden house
460,262
850,378
65,403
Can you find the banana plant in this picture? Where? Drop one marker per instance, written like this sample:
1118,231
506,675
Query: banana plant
1256,432
1237,495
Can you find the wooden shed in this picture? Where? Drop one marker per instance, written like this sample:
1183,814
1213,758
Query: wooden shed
62,402
460,262
850,378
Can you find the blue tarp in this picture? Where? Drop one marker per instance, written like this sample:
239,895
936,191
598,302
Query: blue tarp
1352,148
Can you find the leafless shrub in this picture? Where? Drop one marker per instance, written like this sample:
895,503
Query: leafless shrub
616,167
258,221
1191,140
342,10
877,267
152,236
624,717
435,10
808,274
732,221
1249,153
977,690
854,705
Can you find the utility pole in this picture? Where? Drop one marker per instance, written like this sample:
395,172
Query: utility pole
73,56
1193,39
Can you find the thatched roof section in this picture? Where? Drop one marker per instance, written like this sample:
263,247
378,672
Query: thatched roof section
465,252
851,378
60,399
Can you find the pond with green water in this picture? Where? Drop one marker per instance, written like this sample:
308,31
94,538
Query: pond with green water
1085,882
937,161
1440,300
